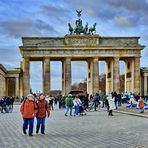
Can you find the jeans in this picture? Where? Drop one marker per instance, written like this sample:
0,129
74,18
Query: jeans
116,104
142,110
41,121
67,110
76,110
30,122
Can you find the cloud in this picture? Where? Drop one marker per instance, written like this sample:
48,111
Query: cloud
50,18
136,9
9,57
123,21
25,27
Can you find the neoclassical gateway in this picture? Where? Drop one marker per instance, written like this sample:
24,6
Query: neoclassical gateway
90,48
83,45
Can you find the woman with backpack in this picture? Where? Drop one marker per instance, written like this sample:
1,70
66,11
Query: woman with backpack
28,110
69,104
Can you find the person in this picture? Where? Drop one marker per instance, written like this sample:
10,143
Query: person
3,104
115,95
119,100
104,101
141,104
132,102
69,104
96,101
43,112
77,104
22,99
111,104
28,110
51,102
60,101
11,102
55,100
85,101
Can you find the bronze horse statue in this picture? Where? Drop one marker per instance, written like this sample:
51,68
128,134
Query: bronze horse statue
70,29
92,29
85,29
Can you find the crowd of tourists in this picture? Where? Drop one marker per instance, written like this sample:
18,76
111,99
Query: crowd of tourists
111,101
39,106
6,104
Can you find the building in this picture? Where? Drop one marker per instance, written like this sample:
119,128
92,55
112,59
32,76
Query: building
9,81
144,81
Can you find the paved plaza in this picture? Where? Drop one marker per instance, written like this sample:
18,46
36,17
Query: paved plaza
96,130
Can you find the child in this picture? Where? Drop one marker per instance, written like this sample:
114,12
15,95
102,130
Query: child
141,104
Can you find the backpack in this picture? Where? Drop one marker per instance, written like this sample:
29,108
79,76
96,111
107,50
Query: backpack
45,103
34,102
69,102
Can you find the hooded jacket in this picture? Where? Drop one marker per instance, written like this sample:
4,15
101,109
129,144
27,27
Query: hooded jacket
28,109
43,108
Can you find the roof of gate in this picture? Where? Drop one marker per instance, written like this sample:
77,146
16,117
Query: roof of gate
80,40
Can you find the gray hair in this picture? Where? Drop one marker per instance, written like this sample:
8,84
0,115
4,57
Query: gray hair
30,95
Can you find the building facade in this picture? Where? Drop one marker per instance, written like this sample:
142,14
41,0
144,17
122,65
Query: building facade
144,81
9,81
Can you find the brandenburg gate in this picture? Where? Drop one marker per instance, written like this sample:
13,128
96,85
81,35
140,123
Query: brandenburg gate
83,45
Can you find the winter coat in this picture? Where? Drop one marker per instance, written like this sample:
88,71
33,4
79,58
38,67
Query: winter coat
69,102
77,102
43,108
111,102
141,103
28,109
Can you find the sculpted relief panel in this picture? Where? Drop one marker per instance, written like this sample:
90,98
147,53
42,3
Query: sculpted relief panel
82,40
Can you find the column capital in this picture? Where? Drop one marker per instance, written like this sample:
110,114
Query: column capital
26,59
116,58
44,58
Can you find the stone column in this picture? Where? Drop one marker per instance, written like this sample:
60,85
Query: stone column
137,75
89,82
67,75
26,76
21,79
17,87
129,75
109,75
63,77
145,85
95,76
46,76
116,81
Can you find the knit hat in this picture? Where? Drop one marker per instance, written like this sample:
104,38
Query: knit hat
69,95
30,95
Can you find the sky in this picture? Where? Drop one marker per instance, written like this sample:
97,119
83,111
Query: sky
25,18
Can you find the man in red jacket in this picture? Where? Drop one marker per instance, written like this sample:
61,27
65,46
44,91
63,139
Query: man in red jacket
43,112
28,110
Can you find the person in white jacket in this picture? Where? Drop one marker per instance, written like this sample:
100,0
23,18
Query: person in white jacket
111,104
77,103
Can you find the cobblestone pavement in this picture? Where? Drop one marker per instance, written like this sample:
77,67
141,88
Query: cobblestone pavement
96,130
